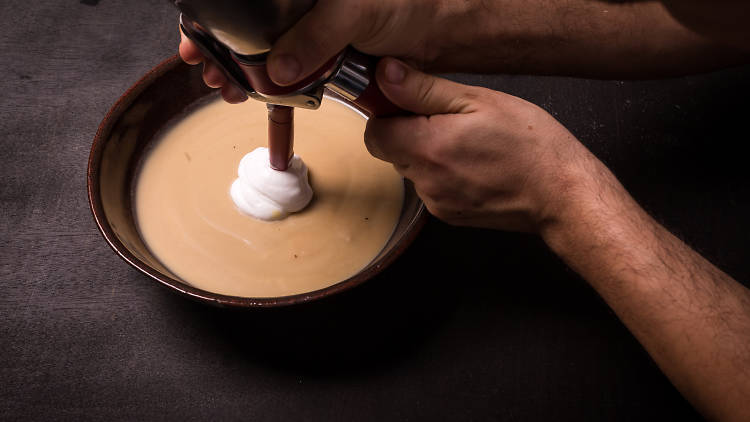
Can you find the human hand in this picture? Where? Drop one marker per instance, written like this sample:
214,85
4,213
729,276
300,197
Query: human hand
478,157
397,28
393,27
213,76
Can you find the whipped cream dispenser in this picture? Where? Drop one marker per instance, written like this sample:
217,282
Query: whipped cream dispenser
234,32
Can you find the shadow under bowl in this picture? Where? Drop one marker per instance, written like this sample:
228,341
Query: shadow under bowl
163,94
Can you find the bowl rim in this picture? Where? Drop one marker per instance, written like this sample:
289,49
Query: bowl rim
180,287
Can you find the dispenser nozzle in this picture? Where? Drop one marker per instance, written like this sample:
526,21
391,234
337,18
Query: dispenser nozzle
280,135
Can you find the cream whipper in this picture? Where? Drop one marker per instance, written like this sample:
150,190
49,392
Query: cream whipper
237,36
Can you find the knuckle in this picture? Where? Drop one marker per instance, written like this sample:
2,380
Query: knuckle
370,131
441,152
372,136
440,201
425,91
421,128
486,96
436,211
373,148
470,96
441,212
429,188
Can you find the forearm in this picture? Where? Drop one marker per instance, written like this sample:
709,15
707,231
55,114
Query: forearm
693,319
592,38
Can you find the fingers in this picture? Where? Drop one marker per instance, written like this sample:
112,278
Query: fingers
420,139
188,51
232,94
398,140
421,93
405,141
212,74
323,32
214,77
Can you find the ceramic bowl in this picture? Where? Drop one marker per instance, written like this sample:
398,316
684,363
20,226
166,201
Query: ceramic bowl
161,95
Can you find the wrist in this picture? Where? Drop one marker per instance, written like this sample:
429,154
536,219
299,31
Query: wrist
590,210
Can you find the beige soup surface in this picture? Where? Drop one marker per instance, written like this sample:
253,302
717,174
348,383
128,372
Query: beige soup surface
188,220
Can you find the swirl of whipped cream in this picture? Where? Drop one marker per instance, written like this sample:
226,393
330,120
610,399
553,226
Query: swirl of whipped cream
269,194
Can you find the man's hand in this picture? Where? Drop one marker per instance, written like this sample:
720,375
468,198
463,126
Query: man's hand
399,28
212,75
487,159
477,157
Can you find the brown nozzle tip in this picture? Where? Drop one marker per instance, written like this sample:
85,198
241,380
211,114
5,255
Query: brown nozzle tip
280,135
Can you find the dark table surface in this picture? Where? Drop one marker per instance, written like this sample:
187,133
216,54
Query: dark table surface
467,325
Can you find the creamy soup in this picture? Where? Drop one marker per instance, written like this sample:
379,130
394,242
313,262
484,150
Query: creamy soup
188,220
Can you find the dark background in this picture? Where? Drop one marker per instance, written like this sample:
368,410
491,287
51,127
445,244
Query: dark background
468,324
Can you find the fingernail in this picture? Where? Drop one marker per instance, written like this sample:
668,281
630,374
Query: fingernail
395,72
286,69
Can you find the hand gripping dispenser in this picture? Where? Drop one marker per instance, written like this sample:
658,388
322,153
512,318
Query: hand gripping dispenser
241,32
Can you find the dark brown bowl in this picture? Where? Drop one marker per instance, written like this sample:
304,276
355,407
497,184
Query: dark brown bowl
161,95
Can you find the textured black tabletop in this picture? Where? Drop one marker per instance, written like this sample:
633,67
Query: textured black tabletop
467,325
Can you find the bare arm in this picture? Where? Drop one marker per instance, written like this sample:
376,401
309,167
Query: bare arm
589,38
596,38
484,158
693,319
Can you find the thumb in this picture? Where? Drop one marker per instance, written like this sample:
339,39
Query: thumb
419,92
307,46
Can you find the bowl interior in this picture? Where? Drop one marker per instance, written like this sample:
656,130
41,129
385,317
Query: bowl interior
161,96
